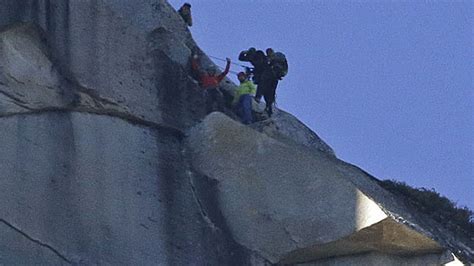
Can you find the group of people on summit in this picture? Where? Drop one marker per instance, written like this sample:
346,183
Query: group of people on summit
267,70
259,80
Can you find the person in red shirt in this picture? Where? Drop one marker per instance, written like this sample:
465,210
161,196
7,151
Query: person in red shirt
210,81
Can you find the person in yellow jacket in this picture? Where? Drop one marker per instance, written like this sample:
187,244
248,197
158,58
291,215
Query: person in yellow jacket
243,98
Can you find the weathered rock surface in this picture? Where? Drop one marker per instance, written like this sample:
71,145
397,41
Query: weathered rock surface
297,205
96,189
95,101
87,175
84,178
286,128
29,82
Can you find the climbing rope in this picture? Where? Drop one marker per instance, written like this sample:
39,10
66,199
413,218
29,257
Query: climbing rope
220,59
230,71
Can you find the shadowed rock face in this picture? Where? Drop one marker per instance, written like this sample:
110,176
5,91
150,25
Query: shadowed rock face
107,47
96,99
93,109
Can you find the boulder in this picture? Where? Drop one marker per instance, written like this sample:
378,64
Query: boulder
292,204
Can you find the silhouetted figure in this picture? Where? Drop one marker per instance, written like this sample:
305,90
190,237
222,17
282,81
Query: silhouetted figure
267,88
258,61
278,63
275,69
185,12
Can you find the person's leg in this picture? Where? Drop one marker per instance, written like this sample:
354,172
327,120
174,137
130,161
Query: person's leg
268,106
270,96
238,109
262,87
247,109
258,95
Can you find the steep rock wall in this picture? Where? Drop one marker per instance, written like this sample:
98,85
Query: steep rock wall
95,189
106,47
134,55
86,175
95,98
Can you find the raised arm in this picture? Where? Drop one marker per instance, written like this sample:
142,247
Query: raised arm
226,71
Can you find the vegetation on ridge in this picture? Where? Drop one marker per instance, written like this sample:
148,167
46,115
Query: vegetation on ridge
459,220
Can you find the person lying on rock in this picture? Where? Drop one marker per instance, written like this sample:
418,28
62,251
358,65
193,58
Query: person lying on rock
185,12
243,98
210,81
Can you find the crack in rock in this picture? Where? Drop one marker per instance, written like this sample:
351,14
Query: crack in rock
13,98
15,79
287,231
204,214
106,112
36,241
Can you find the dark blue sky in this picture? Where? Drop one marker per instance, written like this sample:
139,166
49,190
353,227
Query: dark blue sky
387,84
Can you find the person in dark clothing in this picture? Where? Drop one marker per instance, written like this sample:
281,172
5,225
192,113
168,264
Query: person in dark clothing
257,59
247,55
266,73
185,12
275,68
278,62
259,63
267,88
209,80
270,54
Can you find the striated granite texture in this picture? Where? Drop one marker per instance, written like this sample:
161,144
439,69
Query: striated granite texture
107,157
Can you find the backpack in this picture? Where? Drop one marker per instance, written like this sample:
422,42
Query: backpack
279,64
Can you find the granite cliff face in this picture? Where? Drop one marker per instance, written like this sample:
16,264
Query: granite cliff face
108,157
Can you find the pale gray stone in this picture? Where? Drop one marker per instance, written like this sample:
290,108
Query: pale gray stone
95,100
293,204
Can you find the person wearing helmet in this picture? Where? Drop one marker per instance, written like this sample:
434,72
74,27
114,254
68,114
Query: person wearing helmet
243,98
185,12
210,81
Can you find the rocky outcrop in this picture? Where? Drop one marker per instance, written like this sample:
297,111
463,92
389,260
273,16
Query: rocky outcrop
99,164
286,128
296,205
